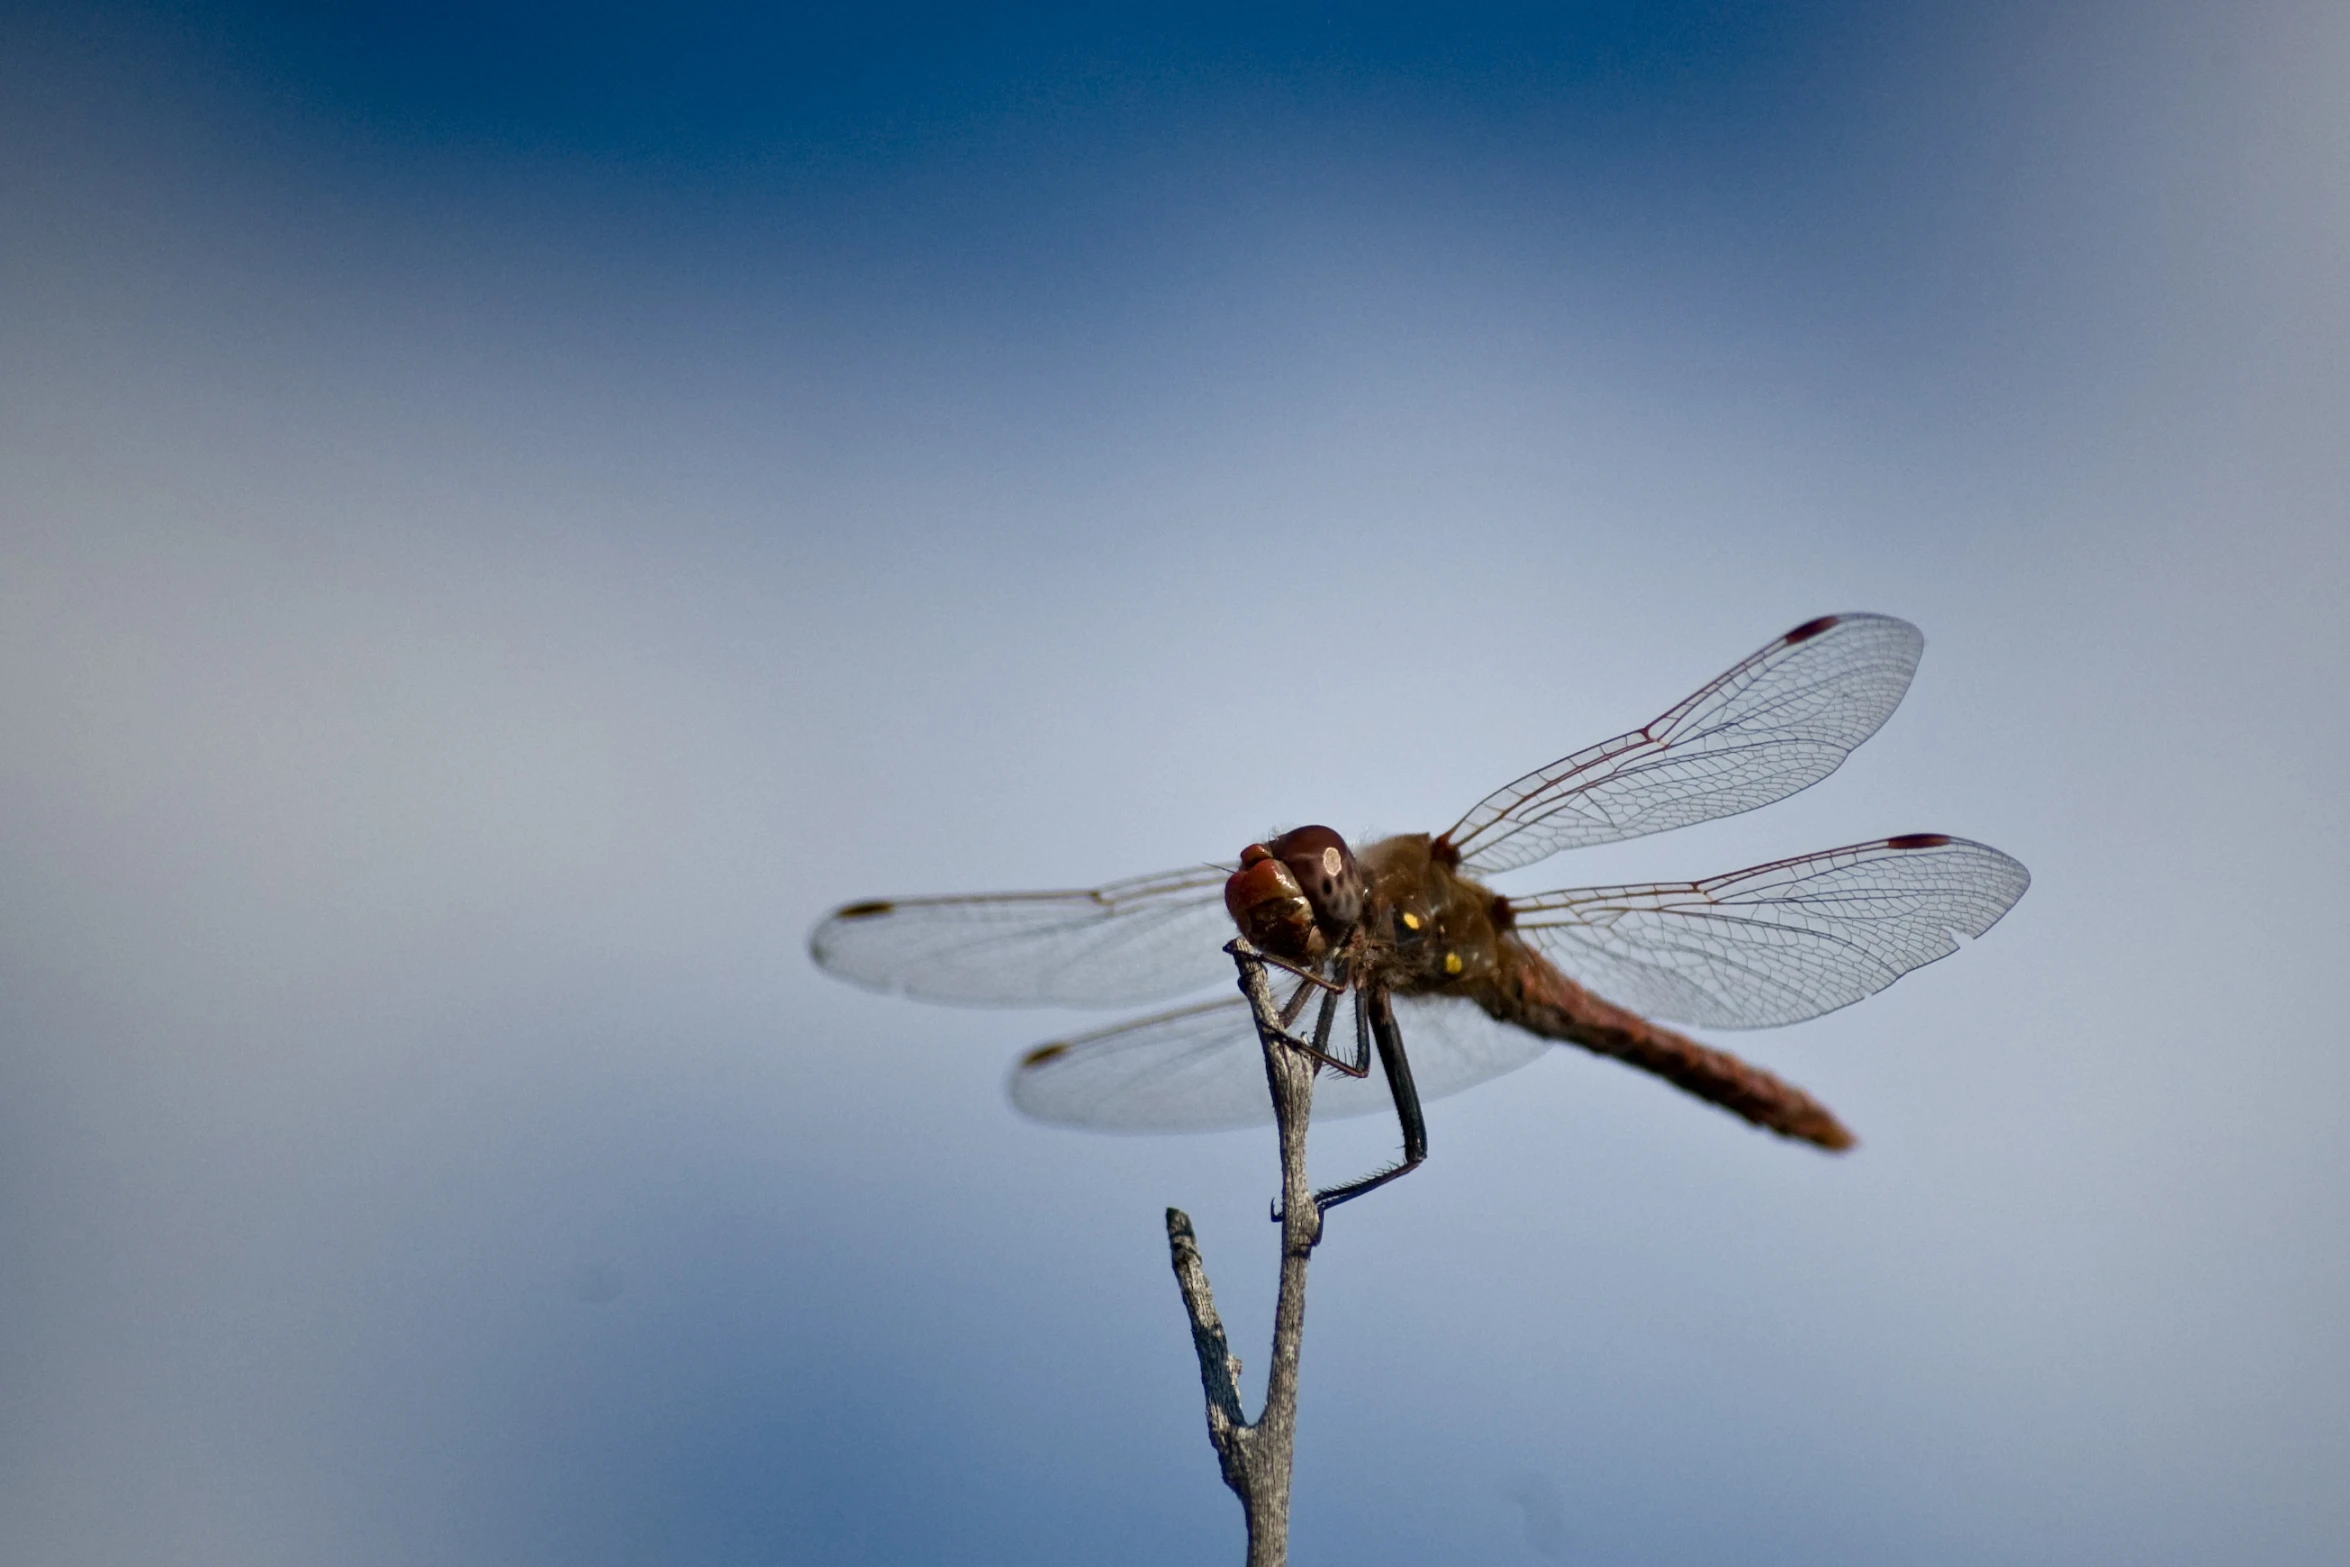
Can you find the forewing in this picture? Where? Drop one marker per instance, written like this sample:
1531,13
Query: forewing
1132,941
1781,721
1200,1068
1776,943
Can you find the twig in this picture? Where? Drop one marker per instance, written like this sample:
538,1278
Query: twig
1256,1457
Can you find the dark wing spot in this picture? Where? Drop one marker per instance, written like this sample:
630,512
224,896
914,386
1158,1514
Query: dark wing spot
1810,629
1445,852
1500,912
859,911
1041,1054
1918,840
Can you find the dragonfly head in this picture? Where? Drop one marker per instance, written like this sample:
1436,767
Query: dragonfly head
1296,894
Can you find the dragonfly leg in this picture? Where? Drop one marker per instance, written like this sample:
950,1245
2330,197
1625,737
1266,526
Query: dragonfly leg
1308,975
1380,1011
1319,1046
1295,1005
1375,1018
1360,1066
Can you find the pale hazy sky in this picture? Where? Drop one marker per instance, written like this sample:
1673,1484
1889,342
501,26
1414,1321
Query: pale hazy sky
508,513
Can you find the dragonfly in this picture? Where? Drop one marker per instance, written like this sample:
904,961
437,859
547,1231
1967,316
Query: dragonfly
1406,935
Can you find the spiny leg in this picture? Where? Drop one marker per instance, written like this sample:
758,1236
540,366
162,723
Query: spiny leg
1375,1025
1319,1046
1375,1007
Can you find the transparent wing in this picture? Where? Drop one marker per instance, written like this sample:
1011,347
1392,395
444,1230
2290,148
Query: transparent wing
1131,941
1781,721
1777,943
1199,1069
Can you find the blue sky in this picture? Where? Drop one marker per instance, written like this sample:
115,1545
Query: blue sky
508,515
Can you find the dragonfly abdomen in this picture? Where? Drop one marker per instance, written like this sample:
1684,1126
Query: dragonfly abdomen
1533,994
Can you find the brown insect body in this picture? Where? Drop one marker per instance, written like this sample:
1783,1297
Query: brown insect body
1425,929
1431,928
1404,921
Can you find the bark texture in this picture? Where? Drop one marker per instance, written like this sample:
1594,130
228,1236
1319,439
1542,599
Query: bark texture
1255,1456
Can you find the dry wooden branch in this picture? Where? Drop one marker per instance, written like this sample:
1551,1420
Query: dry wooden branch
1256,1457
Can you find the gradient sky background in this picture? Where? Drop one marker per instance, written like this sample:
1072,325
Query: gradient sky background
508,512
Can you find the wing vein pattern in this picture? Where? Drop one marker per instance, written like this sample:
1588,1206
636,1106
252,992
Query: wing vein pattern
1775,943
1145,939
1778,722
1199,1068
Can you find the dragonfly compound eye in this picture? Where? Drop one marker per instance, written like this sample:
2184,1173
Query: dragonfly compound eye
1325,868
1271,909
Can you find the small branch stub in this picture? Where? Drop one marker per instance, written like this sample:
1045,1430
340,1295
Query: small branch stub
1256,1456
